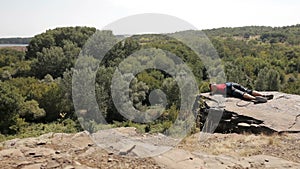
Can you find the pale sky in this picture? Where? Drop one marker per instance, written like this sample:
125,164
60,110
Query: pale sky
26,18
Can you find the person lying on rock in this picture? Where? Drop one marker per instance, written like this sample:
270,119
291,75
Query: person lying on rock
236,90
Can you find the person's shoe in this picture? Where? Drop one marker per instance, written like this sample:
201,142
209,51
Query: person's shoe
268,96
260,99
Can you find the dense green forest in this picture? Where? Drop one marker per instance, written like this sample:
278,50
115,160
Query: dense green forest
14,40
36,86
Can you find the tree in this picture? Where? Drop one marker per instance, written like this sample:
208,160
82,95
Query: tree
56,50
49,61
273,80
260,83
268,79
48,96
38,43
10,104
56,37
172,91
153,78
53,104
31,111
100,43
138,93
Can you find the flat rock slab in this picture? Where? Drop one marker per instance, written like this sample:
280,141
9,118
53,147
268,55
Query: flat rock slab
280,114
126,141
179,159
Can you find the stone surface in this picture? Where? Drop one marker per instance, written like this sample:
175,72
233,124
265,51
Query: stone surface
33,166
86,155
64,151
126,141
280,114
179,159
8,153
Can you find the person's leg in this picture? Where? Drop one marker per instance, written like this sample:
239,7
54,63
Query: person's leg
242,88
268,96
252,92
242,95
242,92
256,93
258,97
248,96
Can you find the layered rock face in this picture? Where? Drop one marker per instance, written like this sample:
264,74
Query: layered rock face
281,114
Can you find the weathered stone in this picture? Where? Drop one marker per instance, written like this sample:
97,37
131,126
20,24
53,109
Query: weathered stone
76,163
11,153
23,163
244,124
127,149
10,143
53,164
39,152
69,167
41,142
177,158
254,125
83,167
279,114
125,141
34,166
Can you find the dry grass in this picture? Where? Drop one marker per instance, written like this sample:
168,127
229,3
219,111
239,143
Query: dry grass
243,145
18,48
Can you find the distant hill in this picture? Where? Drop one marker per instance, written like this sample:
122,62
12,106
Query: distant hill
285,34
14,40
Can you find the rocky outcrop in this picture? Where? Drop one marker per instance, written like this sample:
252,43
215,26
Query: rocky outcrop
281,114
78,151
63,151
